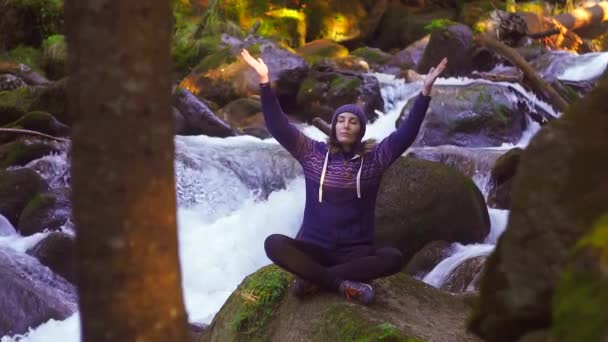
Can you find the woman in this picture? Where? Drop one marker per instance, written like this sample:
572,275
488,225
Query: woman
334,247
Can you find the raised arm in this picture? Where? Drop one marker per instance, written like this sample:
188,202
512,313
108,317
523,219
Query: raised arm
393,146
277,123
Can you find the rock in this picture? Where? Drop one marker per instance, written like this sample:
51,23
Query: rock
199,118
49,98
581,295
421,201
19,153
403,25
17,188
222,77
46,211
475,163
57,251
454,41
320,49
181,126
54,56
31,293
326,89
474,115
18,101
245,115
409,57
40,121
10,82
501,179
52,99
263,307
198,332
558,195
465,277
427,258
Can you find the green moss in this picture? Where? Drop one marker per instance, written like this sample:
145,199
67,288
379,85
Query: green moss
36,120
215,60
54,55
21,98
372,55
438,24
27,55
309,88
19,153
344,85
342,323
40,201
196,37
531,6
261,293
581,297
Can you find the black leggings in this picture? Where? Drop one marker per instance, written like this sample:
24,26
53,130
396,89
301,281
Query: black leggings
328,268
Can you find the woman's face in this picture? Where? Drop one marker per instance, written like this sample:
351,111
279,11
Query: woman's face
347,128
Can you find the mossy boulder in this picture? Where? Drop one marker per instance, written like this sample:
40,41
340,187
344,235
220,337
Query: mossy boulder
325,89
558,195
427,258
54,56
20,99
50,98
23,55
402,25
199,118
31,293
19,153
454,41
40,122
46,211
374,57
421,201
57,251
329,317
29,21
501,179
222,77
473,115
407,58
321,49
581,296
17,189
466,276
245,115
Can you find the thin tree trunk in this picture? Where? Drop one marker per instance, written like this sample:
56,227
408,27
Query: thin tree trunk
129,281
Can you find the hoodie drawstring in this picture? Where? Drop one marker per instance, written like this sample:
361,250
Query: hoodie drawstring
323,178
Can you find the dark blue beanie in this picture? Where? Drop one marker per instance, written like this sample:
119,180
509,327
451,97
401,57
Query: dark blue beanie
350,108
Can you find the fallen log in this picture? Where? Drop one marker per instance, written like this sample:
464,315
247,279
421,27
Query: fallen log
536,82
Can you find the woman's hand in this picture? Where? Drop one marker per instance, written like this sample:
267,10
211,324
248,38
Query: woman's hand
257,64
432,76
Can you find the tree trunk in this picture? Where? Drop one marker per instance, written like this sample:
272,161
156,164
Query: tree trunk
123,186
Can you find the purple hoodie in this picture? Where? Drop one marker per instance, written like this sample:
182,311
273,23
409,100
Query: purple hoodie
341,189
